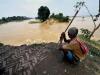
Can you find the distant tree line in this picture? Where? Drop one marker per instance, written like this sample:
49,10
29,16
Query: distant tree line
13,18
60,17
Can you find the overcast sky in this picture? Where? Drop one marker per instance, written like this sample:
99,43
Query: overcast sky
30,7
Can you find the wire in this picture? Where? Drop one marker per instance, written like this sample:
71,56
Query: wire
90,15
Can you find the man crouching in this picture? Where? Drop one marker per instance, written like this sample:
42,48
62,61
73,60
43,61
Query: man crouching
71,48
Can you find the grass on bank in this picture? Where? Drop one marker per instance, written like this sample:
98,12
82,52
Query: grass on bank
91,42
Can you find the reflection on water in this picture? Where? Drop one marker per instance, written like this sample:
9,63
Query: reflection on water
17,33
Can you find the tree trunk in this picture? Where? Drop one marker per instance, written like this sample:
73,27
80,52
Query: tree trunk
94,31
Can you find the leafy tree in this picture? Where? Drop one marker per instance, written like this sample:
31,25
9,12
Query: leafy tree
43,13
60,16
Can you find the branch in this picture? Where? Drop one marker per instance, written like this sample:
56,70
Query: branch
97,27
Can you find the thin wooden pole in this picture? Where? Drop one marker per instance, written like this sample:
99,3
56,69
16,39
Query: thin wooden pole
99,6
72,20
74,17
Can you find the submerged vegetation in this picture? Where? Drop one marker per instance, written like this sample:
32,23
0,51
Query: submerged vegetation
36,21
60,17
13,18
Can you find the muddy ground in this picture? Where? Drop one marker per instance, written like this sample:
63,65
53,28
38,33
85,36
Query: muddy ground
43,59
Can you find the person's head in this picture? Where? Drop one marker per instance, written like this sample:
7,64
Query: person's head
72,32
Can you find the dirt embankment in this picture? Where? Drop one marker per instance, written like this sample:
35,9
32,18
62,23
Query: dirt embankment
43,59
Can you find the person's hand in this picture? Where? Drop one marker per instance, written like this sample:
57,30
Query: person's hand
62,36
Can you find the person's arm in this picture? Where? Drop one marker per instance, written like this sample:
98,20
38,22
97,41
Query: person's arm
63,37
67,41
61,40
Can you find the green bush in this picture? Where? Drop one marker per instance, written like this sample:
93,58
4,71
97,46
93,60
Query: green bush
85,32
60,17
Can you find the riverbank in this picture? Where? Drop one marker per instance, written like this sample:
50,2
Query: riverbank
44,59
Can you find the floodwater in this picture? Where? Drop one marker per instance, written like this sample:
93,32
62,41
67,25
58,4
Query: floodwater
18,33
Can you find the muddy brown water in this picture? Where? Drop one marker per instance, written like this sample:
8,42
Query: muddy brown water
18,33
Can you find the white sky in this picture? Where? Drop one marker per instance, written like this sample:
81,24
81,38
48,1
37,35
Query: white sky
30,7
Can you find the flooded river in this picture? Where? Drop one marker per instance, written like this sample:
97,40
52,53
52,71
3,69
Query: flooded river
18,33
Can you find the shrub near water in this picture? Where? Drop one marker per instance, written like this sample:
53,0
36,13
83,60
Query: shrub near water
60,17
85,32
94,46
